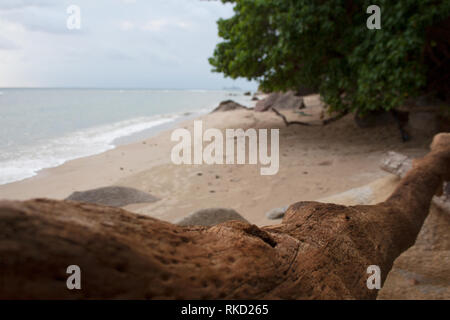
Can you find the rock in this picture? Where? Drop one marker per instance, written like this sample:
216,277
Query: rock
422,272
279,100
265,104
289,100
396,163
228,105
443,201
400,164
113,196
255,99
248,93
210,217
277,213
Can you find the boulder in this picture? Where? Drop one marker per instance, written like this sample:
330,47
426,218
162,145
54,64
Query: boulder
396,163
210,217
279,100
113,196
265,104
228,105
400,164
289,100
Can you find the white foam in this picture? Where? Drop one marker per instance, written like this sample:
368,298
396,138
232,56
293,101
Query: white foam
83,143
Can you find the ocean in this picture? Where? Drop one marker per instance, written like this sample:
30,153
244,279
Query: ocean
43,128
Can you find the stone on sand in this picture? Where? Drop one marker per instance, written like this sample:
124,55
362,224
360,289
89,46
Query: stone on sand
210,217
228,105
396,163
113,196
280,100
277,213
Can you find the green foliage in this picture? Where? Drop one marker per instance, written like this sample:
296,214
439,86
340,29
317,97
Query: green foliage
326,45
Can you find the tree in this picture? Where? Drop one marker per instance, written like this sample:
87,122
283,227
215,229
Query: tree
319,251
326,45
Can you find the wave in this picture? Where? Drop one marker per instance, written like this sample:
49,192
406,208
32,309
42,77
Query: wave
28,161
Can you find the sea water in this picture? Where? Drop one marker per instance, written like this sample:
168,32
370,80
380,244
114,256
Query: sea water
43,128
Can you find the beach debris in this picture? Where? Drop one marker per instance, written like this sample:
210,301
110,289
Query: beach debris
113,196
229,105
277,213
319,251
210,217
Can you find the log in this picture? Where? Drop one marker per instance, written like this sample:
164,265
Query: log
319,251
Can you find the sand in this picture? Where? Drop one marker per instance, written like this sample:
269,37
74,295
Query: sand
337,163
315,163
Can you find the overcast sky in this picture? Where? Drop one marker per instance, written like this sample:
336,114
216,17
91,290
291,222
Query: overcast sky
121,44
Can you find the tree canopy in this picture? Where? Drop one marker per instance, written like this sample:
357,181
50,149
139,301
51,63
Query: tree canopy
326,45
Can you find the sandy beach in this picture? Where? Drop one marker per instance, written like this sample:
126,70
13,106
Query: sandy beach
315,162
338,163
220,151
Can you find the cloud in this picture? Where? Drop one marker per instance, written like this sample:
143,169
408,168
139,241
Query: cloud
157,43
164,23
18,4
126,25
37,18
6,44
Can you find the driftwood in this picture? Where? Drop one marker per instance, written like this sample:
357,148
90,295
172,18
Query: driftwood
320,251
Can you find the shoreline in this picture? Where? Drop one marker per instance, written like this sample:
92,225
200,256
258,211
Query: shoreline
315,163
95,123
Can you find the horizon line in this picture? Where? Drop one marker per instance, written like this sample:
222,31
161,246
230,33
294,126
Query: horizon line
132,88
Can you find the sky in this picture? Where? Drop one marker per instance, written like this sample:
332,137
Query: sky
120,44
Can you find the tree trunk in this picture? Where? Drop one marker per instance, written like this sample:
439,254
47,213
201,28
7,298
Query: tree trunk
320,251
